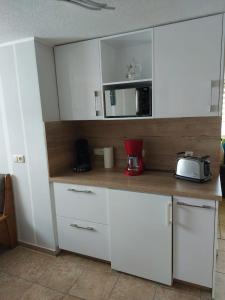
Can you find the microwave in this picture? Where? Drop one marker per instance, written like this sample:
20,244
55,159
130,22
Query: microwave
128,100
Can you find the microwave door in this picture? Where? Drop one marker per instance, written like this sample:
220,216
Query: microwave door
120,103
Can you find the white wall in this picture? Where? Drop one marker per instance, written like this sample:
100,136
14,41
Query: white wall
21,107
4,167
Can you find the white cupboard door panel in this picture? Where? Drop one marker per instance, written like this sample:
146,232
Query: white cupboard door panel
141,234
193,240
81,202
83,237
78,77
187,68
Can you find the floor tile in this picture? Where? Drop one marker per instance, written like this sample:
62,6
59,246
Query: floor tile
97,266
12,288
222,231
37,292
74,258
133,288
163,293
26,263
220,264
206,295
221,244
218,231
69,297
222,219
94,285
220,286
61,276
186,289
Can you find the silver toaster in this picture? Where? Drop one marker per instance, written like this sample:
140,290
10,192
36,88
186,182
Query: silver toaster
193,168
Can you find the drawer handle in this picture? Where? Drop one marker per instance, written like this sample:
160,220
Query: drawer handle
80,191
82,227
191,205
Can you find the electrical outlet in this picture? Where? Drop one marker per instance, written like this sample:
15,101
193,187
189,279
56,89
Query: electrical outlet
99,151
19,158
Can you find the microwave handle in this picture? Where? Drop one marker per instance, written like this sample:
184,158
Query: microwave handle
137,96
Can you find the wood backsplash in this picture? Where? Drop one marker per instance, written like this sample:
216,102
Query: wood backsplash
163,138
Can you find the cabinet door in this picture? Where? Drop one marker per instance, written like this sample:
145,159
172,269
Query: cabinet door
141,234
78,79
193,240
187,59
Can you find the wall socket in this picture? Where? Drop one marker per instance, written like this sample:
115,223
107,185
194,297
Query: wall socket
19,158
99,151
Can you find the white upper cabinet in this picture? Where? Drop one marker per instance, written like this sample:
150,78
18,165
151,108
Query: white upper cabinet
187,57
79,80
127,57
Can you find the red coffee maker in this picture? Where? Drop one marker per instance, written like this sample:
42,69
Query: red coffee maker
134,160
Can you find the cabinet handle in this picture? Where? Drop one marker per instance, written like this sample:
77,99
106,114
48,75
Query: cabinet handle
80,191
191,205
97,111
82,227
214,107
169,214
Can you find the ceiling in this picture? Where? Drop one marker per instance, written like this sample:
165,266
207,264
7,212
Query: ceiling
58,22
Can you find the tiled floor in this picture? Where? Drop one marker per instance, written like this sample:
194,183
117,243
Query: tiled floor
28,274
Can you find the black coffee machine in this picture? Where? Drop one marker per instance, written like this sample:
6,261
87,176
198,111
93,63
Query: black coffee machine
83,161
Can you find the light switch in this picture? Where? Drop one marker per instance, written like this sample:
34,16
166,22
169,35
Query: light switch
19,158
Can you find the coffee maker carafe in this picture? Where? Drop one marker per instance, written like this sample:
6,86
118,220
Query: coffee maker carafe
134,160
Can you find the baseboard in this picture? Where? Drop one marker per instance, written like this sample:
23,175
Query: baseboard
38,248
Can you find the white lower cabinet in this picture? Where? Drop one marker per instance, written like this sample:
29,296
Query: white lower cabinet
193,240
82,221
150,236
141,234
81,202
83,237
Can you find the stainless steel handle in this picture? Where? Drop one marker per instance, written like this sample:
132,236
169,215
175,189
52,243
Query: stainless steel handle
82,227
97,111
80,191
191,205
169,214
137,101
214,107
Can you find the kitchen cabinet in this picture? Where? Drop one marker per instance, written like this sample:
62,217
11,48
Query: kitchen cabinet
187,62
132,49
79,80
82,219
23,113
47,82
82,202
193,240
86,238
141,234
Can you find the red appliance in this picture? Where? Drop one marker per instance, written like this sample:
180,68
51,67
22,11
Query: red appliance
135,164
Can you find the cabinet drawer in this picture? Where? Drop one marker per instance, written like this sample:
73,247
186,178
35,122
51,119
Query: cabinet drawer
81,202
83,237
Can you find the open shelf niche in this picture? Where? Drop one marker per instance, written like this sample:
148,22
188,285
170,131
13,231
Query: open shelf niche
121,51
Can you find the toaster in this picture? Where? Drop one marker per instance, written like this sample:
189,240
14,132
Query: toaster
193,168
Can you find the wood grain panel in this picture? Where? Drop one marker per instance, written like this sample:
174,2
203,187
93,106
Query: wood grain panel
163,138
60,137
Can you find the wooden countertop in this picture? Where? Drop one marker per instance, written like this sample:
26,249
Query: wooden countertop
154,182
